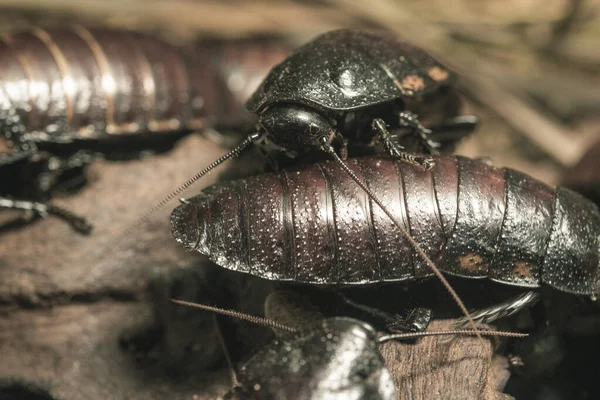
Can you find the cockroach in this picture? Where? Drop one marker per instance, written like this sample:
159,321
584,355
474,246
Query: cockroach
313,225
334,88
107,88
61,85
333,358
347,86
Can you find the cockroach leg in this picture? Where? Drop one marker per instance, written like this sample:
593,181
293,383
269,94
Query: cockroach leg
395,150
502,310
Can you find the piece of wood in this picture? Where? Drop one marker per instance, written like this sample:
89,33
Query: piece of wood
446,367
89,317
76,352
47,262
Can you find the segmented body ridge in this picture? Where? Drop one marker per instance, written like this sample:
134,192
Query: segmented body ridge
315,225
61,84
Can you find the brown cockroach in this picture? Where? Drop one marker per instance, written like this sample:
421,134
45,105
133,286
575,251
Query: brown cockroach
88,86
60,85
314,225
64,84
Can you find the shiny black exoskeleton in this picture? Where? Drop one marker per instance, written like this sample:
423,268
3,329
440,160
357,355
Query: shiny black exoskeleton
349,86
338,359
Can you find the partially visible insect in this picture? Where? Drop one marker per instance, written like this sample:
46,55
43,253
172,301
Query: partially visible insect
313,225
67,89
336,359
333,358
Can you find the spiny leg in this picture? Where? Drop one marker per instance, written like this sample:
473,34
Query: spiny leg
415,320
61,172
45,209
410,120
395,150
343,147
502,310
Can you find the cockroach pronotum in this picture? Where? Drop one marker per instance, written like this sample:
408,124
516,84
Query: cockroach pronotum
313,225
86,86
346,88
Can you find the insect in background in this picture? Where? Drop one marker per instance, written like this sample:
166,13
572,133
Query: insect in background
313,225
67,89
334,358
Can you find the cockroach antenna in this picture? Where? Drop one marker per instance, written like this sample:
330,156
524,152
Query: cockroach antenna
466,332
329,149
269,323
129,233
382,339
251,138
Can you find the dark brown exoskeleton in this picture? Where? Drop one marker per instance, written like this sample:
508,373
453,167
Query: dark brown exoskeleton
314,225
348,88
107,89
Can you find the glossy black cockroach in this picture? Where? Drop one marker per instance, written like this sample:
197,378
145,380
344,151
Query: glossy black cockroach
313,225
333,358
89,86
339,86
344,88
347,85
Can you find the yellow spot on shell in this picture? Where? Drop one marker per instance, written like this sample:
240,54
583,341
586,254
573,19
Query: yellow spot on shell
413,83
438,74
473,263
522,269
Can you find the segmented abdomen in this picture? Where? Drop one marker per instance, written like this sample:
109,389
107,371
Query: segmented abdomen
315,225
61,84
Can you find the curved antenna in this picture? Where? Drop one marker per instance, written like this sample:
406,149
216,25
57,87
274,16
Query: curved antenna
234,378
382,339
502,310
465,332
239,315
253,137
326,146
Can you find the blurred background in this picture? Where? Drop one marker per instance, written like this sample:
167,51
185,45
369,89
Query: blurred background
530,69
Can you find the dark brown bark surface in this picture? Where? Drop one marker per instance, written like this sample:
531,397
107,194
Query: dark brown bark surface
443,367
74,352
74,322
47,262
